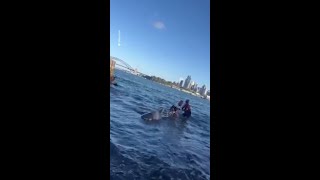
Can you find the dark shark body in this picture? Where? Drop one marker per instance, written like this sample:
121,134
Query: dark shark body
155,115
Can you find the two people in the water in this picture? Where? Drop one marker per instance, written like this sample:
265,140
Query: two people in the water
174,110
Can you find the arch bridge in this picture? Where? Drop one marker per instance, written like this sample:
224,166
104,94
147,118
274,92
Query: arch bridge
122,63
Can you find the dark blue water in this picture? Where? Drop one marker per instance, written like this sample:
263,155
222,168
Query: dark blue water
165,149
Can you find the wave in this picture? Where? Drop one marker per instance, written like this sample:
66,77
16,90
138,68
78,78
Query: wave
165,149
147,167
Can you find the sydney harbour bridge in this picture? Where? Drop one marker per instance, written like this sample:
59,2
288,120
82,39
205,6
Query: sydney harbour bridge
125,65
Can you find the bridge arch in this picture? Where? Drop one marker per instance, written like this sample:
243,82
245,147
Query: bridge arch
122,62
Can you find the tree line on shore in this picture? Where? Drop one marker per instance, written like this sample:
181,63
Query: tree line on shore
160,80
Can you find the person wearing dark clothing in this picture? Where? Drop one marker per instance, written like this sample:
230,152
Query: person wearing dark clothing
187,109
174,109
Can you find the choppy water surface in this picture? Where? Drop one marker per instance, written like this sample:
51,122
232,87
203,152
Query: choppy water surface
165,149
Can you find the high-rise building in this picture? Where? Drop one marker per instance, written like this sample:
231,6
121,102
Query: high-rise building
181,83
191,85
187,82
203,90
195,87
198,89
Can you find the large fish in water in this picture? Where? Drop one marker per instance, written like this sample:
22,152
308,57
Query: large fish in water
156,115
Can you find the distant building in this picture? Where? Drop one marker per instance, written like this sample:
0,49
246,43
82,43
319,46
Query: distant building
195,87
191,85
198,89
208,93
181,83
203,90
187,82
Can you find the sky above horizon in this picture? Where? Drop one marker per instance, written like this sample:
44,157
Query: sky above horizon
165,38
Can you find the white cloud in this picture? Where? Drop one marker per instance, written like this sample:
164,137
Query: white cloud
159,25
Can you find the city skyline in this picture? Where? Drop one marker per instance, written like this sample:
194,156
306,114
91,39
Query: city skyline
191,84
186,84
163,38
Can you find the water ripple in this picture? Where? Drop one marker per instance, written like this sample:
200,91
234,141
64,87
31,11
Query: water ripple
165,149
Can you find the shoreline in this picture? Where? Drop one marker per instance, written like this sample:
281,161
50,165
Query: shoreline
173,87
185,91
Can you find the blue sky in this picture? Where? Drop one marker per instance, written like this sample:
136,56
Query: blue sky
165,38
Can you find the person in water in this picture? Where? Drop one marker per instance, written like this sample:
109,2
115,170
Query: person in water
174,110
187,109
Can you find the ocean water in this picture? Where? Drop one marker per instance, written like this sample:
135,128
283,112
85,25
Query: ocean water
165,149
